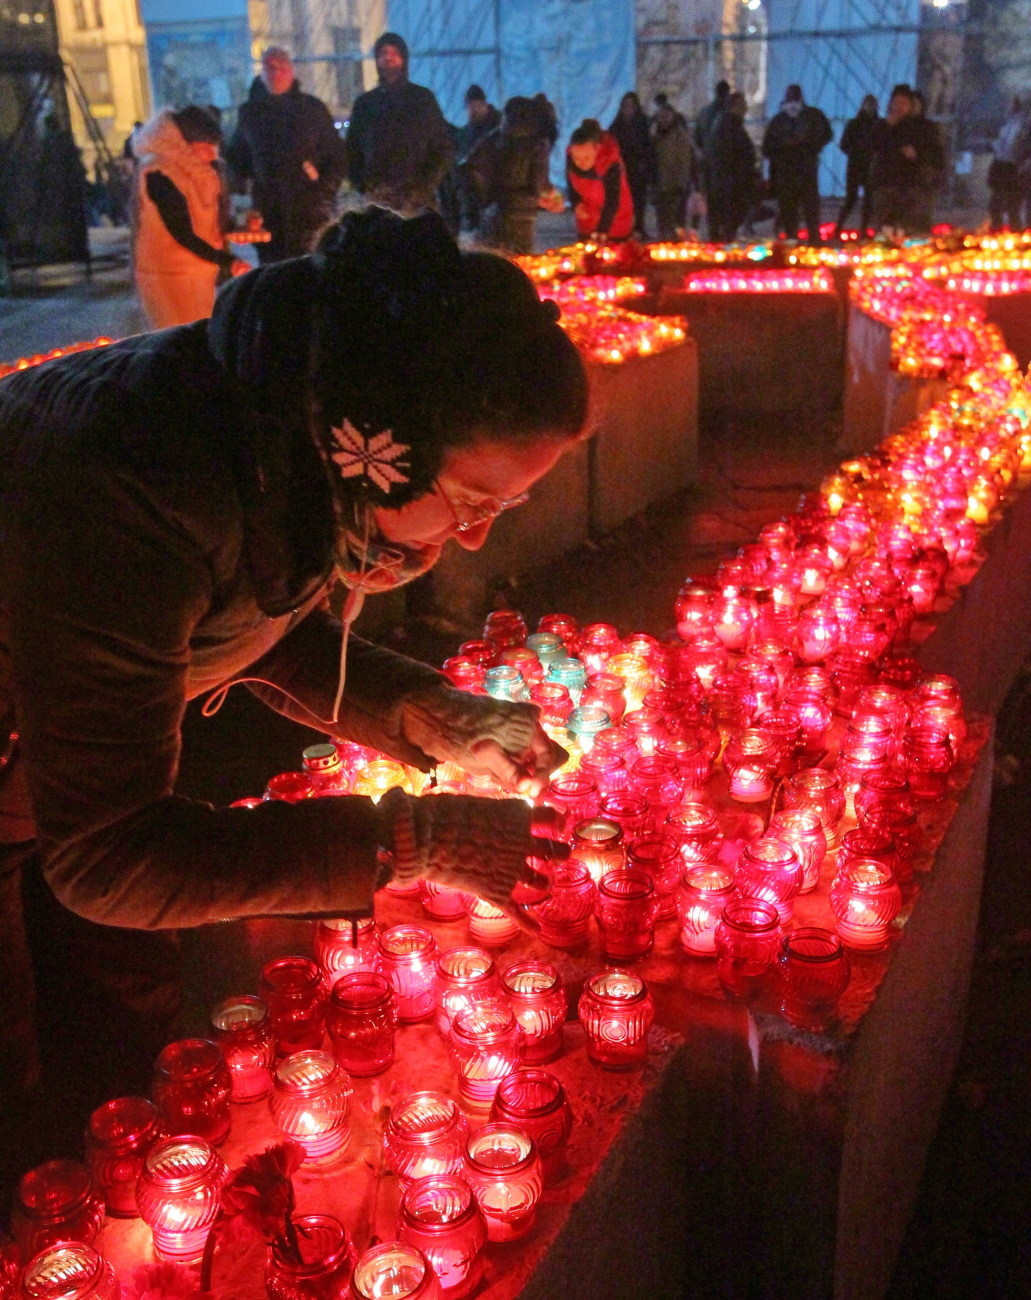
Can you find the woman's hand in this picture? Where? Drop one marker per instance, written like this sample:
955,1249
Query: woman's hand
485,737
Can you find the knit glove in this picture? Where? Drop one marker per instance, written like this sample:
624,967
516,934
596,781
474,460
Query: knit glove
485,737
476,845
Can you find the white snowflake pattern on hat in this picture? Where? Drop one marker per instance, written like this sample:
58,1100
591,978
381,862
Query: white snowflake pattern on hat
376,457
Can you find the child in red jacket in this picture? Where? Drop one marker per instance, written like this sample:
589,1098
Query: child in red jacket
598,186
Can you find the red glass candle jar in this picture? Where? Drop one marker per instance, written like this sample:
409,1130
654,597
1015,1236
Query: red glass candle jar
345,945
819,791
625,912
465,673
554,702
764,684
362,1021
851,672
747,936
525,662
751,759
191,1089
865,899
769,870
693,611
814,972
425,1137
242,1030
408,958
617,740
490,925
310,1104
504,1170
817,634
443,904
732,619
442,1217
648,730
943,692
328,1255
504,628
295,993
56,1201
607,771
885,789
397,1270
705,890
290,787
929,761
695,748
616,1011
813,715
776,621
465,978
901,825
803,830
659,856
599,843
659,783
575,795
537,1103
784,729
178,1195
887,702
939,715
564,626
485,1044
628,812
69,1271
605,691
813,568
867,745
564,918
120,1134
598,643
730,704
775,656
534,992
867,842
696,831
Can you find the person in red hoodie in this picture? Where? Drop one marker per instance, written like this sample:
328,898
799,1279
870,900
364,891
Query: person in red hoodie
597,182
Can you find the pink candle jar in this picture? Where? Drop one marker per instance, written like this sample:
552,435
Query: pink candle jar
617,740
575,795
191,1089
694,748
763,682
536,1102
901,825
885,789
599,843
751,759
851,672
769,871
929,761
705,890
534,992
465,673
598,643
441,903
867,745
605,691
813,715
178,1195
408,958
564,918
290,787
939,715
616,1011
397,1270
69,1271
485,1043
120,1134
648,730
658,782
293,990
817,634
867,842
625,912
564,626
56,1201
784,729
818,790
310,1103
886,702
489,925
865,899
942,691
814,973
465,978
607,771
731,703
345,945
242,1030
628,812
504,1170
328,1255
425,1137
696,831
362,1021
693,611
747,935
659,856
554,702
803,830
443,1219
923,584
732,619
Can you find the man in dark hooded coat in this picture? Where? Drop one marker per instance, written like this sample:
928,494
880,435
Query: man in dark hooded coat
287,145
399,145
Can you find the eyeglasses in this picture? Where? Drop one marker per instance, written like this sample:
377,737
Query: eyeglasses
481,514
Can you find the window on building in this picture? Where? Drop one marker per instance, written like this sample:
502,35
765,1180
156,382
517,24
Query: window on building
79,13
98,14
92,67
348,40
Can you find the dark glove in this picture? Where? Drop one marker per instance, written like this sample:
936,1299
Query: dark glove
483,736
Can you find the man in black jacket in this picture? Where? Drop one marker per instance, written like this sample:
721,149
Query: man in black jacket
399,146
793,142
857,144
287,145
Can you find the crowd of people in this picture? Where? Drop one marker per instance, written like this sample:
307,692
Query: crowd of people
647,175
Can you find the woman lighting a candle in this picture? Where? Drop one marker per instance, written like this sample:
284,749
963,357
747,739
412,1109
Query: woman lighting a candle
173,512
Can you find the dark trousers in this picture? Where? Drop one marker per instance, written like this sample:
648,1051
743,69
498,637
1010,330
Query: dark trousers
799,198
639,195
856,179
294,232
1006,206
669,212
727,210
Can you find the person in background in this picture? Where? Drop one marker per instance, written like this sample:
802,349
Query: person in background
931,163
508,174
894,171
704,123
547,119
674,162
732,168
459,204
630,131
399,145
793,141
127,149
178,241
597,183
857,144
1006,180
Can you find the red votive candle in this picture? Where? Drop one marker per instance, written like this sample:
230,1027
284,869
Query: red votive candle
605,691
408,958
705,890
538,1001
696,831
120,1134
56,1201
598,643
242,1030
425,1137
803,830
751,759
929,760
69,1271
328,1255
599,842
441,903
814,973
901,824
178,1195
693,611
564,917
465,978
659,856
616,1011
768,869
537,1103
575,795
397,1270
625,912
293,990
485,1044
865,899
818,790
747,935
192,1086
344,945
442,1217
504,1170
490,925
290,787
658,782
608,771
310,1103
362,1021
